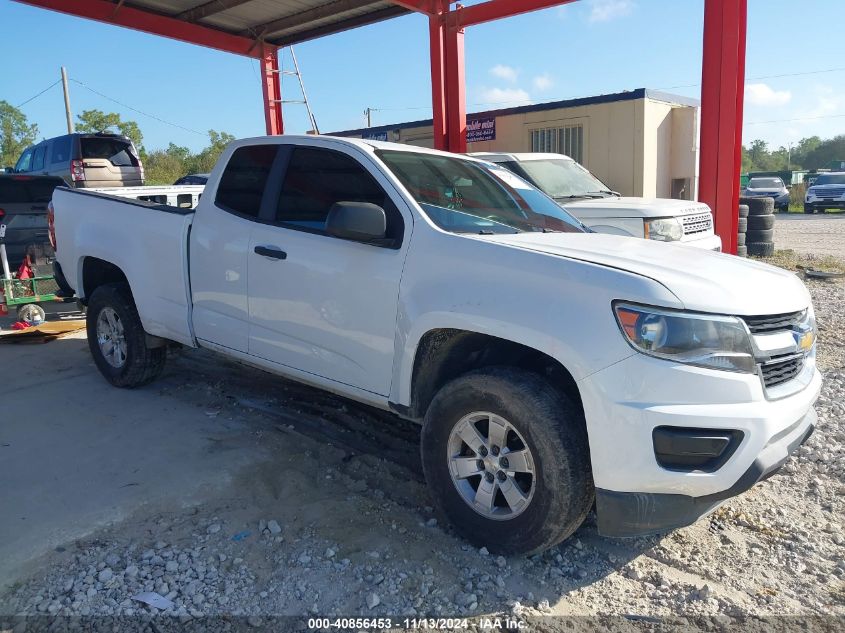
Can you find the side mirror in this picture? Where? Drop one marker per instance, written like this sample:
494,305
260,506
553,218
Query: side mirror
358,221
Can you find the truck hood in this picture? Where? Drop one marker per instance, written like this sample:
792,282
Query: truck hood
702,280
626,207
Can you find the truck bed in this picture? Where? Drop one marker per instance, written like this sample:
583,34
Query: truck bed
148,243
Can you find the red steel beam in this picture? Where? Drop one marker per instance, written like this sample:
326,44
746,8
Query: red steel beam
437,47
154,23
271,91
455,85
722,90
498,9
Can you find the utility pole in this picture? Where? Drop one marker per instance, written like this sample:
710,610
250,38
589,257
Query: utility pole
67,102
369,114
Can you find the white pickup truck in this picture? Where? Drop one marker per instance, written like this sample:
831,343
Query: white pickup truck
548,366
606,211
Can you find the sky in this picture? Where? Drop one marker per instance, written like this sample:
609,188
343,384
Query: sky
176,91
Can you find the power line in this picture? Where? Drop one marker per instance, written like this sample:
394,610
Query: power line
146,114
780,76
58,81
809,118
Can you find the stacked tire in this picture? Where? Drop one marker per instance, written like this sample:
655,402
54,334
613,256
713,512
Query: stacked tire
759,227
742,227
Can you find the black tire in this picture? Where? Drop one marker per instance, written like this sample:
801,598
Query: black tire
742,251
31,313
554,431
761,249
743,210
784,209
759,206
142,365
740,239
766,235
760,223
809,209
742,227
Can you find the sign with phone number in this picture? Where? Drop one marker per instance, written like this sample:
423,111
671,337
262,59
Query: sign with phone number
481,129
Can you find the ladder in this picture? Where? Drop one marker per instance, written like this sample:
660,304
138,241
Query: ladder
304,100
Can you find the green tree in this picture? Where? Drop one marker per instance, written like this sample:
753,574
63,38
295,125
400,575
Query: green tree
204,161
826,152
99,121
16,133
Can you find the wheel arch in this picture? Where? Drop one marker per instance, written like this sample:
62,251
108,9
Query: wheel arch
97,272
443,354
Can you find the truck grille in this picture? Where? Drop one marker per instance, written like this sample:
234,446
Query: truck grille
699,223
830,193
781,370
773,322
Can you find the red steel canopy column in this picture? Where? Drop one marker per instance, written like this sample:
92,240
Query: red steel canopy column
722,96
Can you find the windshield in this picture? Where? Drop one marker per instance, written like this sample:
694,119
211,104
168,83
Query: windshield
466,196
831,179
765,183
561,178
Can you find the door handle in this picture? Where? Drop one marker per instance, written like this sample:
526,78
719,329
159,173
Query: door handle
273,252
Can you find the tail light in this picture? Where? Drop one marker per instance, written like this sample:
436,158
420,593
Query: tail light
77,171
2,214
51,224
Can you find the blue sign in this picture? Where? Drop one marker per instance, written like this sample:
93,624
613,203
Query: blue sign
481,129
376,136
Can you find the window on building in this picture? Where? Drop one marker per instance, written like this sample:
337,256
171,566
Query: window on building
567,140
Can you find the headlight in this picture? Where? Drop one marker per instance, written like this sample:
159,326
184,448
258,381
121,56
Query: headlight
717,342
664,229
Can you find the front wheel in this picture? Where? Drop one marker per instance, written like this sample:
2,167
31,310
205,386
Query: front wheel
506,455
808,208
117,339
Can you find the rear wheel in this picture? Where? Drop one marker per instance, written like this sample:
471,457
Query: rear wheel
506,455
117,339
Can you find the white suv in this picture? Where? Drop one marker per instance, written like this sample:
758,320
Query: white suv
827,192
606,211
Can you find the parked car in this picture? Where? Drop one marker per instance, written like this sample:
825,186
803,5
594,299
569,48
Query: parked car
100,159
605,211
547,365
192,179
23,209
827,192
768,187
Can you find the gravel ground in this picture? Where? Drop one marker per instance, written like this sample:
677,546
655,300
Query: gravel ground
332,527
820,234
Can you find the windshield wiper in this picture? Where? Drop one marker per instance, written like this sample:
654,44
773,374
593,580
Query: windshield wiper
608,192
580,196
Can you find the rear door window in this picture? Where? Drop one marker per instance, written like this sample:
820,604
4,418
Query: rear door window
61,150
119,152
242,184
38,157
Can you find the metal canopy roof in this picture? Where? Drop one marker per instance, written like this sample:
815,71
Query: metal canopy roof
276,22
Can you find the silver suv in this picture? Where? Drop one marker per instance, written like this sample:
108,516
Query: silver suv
100,159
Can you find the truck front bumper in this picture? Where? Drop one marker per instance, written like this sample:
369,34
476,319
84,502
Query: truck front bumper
629,405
